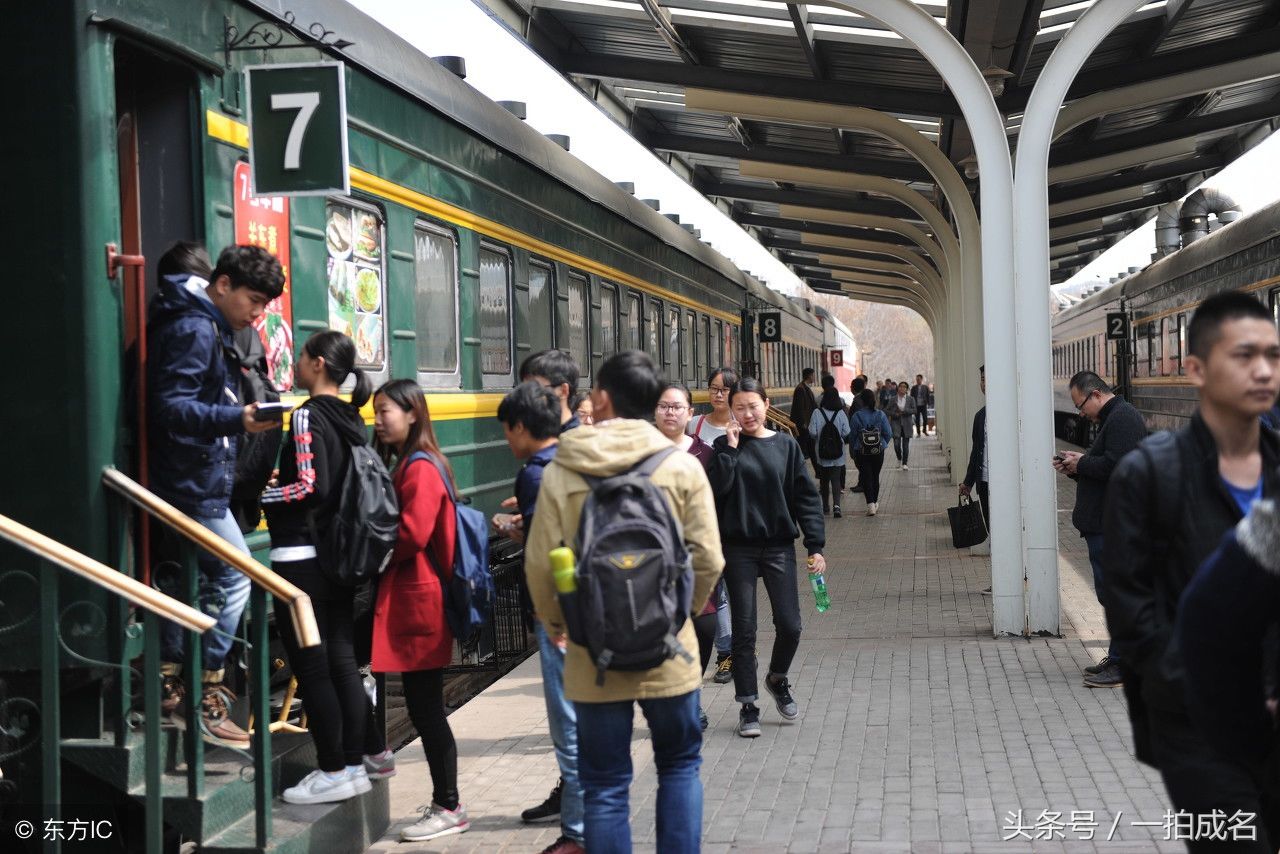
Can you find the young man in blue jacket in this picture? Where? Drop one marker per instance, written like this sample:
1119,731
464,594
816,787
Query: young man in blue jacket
195,419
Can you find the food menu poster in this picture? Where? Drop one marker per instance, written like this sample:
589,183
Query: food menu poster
264,221
353,237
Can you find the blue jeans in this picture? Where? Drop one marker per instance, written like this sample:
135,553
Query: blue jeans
224,593
563,721
604,730
1094,543
724,626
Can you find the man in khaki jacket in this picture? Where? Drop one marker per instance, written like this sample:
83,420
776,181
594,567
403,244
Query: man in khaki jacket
626,391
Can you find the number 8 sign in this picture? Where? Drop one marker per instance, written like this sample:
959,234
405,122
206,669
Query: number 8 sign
770,326
297,129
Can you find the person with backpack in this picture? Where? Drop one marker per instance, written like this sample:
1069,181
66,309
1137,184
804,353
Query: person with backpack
1168,506
764,499
195,419
901,412
616,492
300,508
869,434
708,428
829,427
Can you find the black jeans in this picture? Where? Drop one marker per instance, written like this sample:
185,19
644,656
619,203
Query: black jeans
902,445
424,699
830,483
332,693
869,466
984,496
922,420
704,626
776,566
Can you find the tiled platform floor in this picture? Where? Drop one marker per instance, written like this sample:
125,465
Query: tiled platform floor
918,733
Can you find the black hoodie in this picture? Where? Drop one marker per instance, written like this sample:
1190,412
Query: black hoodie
313,463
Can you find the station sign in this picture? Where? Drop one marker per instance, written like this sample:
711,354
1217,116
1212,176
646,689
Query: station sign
835,358
1117,326
770,327
297,129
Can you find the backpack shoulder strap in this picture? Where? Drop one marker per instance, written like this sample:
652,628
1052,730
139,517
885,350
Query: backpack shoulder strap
649,464
448,485
697,431
825,418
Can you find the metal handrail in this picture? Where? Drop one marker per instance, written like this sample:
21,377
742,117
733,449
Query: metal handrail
781,420
122,585
304,618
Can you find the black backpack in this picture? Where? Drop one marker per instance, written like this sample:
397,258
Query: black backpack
830,445
869,440
355,545
257,453
634,575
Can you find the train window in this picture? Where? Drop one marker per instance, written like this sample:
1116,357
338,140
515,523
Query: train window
608,319
1141,349
1273,299
705,355
435,271
653,331
633,321
716,353
495,314
1156,351
542,279
730,359
357,292
1173,349
673,353
576,339
689,347
1182,344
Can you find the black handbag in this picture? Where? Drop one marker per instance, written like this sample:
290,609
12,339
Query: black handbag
968,528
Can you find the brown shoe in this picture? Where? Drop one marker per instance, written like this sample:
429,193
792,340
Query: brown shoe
172,690
218,728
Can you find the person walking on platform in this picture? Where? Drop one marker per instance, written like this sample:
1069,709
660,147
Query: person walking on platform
675,407
313,464
626,392
708,428
857,386
829,429
901,412
804,400
920,394
1120,430
195,420
410,633
886,394
976,475
1168,505
764,499
869,436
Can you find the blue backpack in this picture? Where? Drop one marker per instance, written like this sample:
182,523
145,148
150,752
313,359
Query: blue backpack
469,595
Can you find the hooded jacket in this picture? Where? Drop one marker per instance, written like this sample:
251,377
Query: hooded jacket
193,410
601,451
313,463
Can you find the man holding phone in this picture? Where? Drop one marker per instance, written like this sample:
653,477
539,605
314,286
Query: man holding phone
1120,430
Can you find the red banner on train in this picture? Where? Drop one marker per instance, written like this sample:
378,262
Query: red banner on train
264,221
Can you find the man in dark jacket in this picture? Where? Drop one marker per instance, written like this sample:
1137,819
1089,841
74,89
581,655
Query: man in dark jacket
920,394
195,420
804,400
1168,505
1121,429
976,473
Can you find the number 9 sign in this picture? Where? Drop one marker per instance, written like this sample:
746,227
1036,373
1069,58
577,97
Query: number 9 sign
297,129
770,326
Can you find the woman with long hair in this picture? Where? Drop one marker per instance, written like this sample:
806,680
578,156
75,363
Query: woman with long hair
675,407
870,437
765,498
316,455
410,634
829,416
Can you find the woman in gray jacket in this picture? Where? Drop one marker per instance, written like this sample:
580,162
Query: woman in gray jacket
901,410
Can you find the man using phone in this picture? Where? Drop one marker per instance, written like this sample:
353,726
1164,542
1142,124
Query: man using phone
1120,430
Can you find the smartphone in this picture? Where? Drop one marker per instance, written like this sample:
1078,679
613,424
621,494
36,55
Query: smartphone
1059,458
271,411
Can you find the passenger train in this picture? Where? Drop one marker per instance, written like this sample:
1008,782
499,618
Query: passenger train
1157,303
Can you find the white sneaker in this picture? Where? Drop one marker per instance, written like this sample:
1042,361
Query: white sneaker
321,787
359,779
904,466
436,821
380,766
872,508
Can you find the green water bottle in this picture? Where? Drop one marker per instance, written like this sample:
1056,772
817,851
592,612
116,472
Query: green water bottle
563,566
821,600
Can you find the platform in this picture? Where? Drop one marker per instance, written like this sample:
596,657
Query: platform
918,733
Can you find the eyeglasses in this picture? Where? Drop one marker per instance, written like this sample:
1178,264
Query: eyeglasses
1081,405
718,390
672,407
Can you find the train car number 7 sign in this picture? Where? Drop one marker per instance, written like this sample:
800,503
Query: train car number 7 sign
297,129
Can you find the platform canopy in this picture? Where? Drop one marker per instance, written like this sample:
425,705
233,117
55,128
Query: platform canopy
639,59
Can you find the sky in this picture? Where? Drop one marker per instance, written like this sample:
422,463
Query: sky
502,67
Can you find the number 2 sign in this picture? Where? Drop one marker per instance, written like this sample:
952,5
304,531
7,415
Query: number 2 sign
297,129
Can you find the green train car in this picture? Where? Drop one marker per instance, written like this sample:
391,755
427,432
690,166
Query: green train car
467,242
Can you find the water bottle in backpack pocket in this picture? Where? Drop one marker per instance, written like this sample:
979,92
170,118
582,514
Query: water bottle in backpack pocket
634,576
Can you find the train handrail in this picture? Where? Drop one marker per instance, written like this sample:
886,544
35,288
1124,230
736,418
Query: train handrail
62,555
782,420
304,618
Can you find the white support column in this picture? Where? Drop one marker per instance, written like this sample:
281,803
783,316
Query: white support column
1000,332
1035,364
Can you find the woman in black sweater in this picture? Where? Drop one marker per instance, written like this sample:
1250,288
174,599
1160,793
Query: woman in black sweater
764,499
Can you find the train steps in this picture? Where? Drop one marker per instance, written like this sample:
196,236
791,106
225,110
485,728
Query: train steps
222,820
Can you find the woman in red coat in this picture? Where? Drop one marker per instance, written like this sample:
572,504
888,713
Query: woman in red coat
410,634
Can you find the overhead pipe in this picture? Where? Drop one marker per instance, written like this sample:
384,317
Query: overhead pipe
1193,216
1167,238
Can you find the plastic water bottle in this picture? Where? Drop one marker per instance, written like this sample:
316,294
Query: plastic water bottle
821,600
563,565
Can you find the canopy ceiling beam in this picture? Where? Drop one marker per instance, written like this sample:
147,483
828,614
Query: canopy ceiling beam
902,170
807,198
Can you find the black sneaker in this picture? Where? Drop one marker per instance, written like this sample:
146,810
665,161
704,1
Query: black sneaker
780,688
1100,666
702,719
547,810
856,488
749,721
836,512
1109,678
724,670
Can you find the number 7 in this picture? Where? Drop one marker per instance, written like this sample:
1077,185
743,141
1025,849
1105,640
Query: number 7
305,103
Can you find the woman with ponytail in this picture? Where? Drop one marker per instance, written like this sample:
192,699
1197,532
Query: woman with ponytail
313,463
